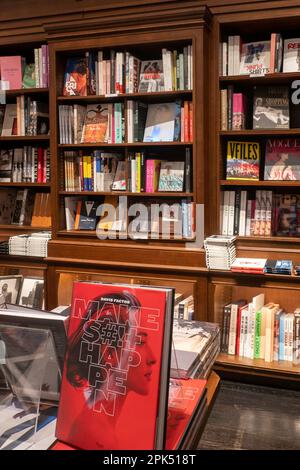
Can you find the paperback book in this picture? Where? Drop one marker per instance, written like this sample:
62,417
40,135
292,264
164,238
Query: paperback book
171,176
243,160
151,76
271,108
282,160
255,58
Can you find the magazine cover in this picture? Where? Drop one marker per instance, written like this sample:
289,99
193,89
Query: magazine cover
242,160
185,396
95,124
255,58
286,215
151,76
291,55
75,81
271,108
114,391
282,160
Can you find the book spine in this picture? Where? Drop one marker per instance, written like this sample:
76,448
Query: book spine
257,341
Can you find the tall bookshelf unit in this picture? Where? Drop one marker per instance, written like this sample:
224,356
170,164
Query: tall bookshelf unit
225,287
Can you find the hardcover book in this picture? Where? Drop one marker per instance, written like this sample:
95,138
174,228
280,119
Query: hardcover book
75,80
115,383
6,162
95,124
271,108
255,58
286,215
171,176
291,55
11,72
282,160
160,123
151,76
243,160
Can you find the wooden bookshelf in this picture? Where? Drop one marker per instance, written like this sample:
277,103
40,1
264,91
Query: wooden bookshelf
127,193
125,145
25,185
272,184
27,91
261,132
280,367
25,138
148,96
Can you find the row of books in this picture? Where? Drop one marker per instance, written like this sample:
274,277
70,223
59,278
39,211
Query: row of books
184,308
171,220
103,171
259,330
25,207
260,213
260,57
26,117
27,164
105,122
16,73
263,266
271,108
34,244
111,72
281,162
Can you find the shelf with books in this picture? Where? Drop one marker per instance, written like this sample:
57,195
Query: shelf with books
282,367
269,78
242,183
261,132
25,228
25,184
25,138
127,193
26,91
125,145
150,96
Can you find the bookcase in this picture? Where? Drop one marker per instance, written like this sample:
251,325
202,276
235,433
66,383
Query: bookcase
226,287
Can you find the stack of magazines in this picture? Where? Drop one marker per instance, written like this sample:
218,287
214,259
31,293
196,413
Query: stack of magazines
220,251
195,346
35,244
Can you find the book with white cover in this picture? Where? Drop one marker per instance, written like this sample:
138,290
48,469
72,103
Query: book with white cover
249,264
291,55
255,58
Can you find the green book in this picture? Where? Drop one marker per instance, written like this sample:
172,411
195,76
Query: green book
29,76
257,335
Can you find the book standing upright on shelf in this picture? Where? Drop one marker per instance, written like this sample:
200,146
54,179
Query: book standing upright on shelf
115,383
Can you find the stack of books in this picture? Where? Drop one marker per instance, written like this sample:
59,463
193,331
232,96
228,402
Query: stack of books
297,269
4,250
35,244
249,265
196,345
279,266
220,251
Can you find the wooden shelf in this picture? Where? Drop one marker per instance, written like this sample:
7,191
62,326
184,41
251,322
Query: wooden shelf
126,193
24,138
25,228
23,185
262,132
27,91
115,97
295,184
125,145
270,239
266,79
277,366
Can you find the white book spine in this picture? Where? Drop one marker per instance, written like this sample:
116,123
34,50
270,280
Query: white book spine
242,224
232,329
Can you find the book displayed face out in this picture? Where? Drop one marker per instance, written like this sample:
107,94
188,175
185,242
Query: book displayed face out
115,380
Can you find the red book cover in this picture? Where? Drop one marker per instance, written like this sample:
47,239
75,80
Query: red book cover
185,397
114,392
40,165
11,71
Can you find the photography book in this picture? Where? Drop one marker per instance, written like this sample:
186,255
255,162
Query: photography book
151,76
271,107
255,58
171,176
116,372
160,122
282,160
243,160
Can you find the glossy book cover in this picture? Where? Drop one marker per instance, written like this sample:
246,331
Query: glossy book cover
115,383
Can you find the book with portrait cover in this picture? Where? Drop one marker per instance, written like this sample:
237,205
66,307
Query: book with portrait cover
75,80
242,160
282,160
115,383
271,107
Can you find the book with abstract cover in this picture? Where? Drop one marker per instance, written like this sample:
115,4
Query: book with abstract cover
151,76
171,176
114,392
95,124
286,215
160,122
271,108
282,160
75,80
242,160
255,58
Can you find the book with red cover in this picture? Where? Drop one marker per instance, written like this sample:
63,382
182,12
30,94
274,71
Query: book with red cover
114,392
185,396
11,71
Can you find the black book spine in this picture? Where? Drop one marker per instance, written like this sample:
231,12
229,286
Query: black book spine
225,329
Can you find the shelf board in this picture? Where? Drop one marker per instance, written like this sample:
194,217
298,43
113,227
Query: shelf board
115,97
25,138
295,184
262,132
25,228
278,366
270,239
125,145
126,193
93,234
24,185
256,80
26,91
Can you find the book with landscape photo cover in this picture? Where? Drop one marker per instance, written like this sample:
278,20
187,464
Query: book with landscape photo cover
115,383
282,160
242,160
